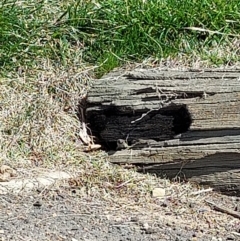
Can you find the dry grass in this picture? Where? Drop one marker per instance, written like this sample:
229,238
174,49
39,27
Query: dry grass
39,115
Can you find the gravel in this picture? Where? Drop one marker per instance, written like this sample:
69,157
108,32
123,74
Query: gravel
65,214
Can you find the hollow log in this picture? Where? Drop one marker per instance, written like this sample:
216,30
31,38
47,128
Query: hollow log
178,124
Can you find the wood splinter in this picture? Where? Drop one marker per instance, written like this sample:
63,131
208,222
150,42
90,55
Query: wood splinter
222,209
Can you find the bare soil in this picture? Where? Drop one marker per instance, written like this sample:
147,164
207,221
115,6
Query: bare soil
65,212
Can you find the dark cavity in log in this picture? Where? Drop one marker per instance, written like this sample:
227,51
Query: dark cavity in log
130,125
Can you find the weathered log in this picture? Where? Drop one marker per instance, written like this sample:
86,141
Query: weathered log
173,123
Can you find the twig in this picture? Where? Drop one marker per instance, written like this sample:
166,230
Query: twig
143,115
201,191
124,183
235,233
224,210
210,31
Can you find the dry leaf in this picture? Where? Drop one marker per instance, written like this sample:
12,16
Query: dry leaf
92,147
86,139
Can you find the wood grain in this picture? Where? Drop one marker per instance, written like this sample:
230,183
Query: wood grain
175,123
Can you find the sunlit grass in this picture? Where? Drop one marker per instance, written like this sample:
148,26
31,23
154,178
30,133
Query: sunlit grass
112,32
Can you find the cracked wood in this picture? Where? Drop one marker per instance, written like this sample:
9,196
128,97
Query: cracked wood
175,123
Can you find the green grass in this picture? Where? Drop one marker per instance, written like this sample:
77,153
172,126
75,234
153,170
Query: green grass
112,32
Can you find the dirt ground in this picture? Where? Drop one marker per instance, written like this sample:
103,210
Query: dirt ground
65,212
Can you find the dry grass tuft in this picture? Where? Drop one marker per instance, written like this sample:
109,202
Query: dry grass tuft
39,115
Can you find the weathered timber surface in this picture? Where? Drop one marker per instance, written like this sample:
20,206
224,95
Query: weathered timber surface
173,123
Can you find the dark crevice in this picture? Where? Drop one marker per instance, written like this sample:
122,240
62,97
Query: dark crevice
182,118
158,125
144,91
195,134
177,95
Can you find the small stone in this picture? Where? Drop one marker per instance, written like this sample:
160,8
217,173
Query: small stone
1,231
150,231
134,219
37,204
158,192
145,225
164,204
